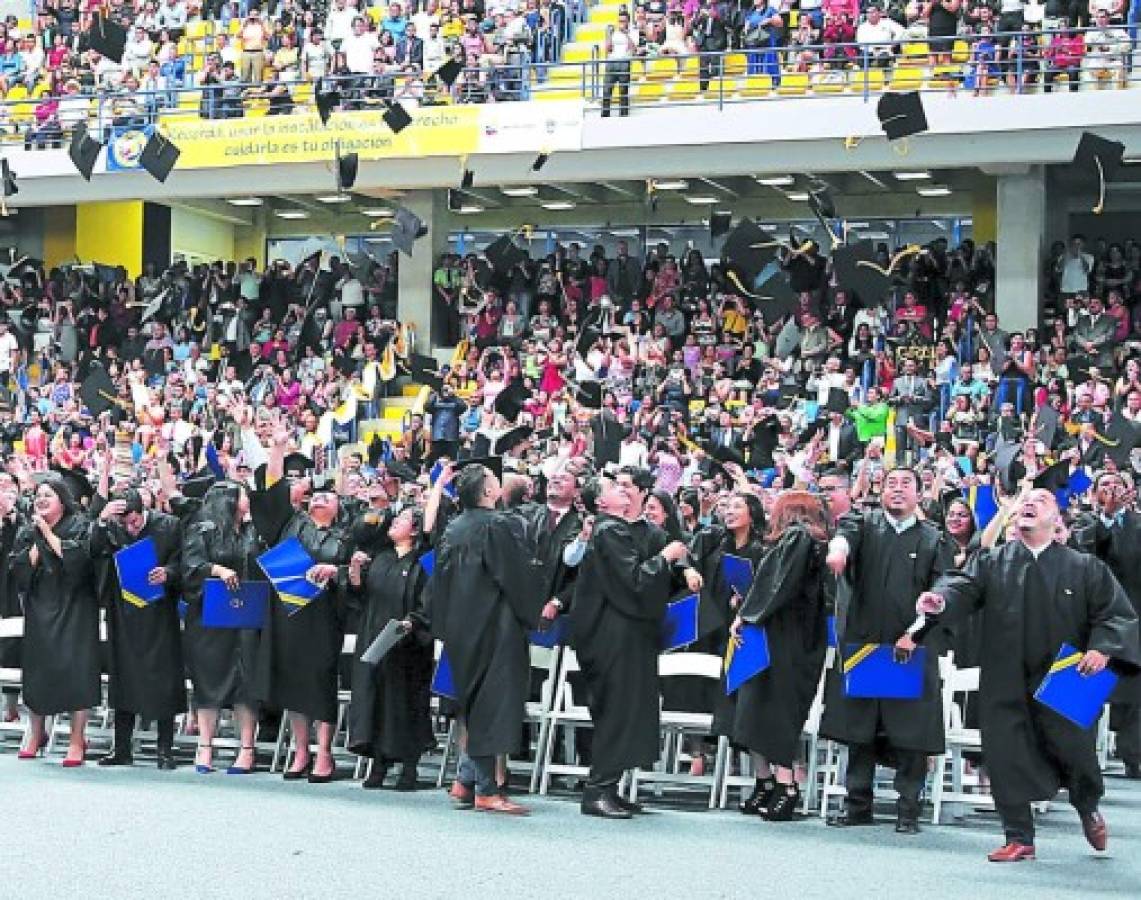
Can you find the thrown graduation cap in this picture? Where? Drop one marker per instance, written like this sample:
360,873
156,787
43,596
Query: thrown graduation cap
467,180
1121,437
748,247
327,101
347,167
407,228
425,371
587,338
159,156
396,117
8,177
98,391
821,201
540,161
494,463
107,38
196,487
723,454
857,270
83,150
901,115
838,401
589,394
449,72
1100,159
509,402
503,254
513,438
719,222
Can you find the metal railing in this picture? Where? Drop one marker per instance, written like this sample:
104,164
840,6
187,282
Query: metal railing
966,65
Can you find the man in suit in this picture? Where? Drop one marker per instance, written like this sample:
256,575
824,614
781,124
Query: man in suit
624,276
410,49
608,434
1093,337
841,442
724,434
911,397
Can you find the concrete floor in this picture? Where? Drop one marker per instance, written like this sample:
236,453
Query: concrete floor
119,833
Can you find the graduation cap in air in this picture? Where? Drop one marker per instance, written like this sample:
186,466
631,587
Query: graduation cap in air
396,117
8,178
821,201
1098,159
159,156
749,248
107,38
719,222
587,338
83,150
495,463
589,394
401,470
407,228
540,161
509,402
297,464
1121,436
838,401
196,486
857,270
513,438
425,371
503,254
98,391
347,167
723,454
327,101
1046,422
901,115
449,72
777,297
467,180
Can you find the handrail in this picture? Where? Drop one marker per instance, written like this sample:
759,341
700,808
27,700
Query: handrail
826,70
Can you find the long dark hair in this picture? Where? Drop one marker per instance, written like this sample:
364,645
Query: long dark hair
221,505
672,526
756,515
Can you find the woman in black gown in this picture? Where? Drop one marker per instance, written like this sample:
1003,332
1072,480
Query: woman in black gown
61,617
389,719
222,543
788,598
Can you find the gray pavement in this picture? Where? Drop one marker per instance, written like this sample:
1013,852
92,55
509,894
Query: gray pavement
115,834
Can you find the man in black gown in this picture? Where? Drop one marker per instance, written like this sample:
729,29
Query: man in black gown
619,603
1036,594
147,676
891,556
553,525
483,603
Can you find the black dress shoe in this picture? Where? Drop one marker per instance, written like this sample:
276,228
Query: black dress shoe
1133,771
376,776
166,761
604,807
406,783
115,758
758,801
313,778
906,826
850,820
782,806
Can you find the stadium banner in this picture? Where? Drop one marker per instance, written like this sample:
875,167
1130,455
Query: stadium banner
125,146
435,131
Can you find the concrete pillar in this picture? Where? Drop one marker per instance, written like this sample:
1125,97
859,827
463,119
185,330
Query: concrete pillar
1021,233
415,281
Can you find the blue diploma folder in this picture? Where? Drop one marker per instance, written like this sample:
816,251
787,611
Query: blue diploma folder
833,641
428,562
1079,698
133,564
679,627
738,573
285,565
748,659
443,684
552,636
244,608
870,671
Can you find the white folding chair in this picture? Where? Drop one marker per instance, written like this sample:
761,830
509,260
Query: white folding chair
952,782
12,679
677,724
564,714
536,713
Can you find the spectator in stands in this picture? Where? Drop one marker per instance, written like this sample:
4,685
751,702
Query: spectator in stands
409,49
942,27
1106,50
620,46
1063,57
1074,268
711,38
255,43
172,18
839,34
761,33
138,50
878,36
316,56
395,23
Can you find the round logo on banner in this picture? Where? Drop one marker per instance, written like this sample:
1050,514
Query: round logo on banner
128,147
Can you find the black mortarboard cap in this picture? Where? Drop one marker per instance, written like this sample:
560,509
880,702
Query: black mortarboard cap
84,150
494,463
297,464
1046,424
347,167
407,228
197,486
513,438
1098,159
777,298
509,402
1055,477
587,338
742,250
503,254
821,201
159,156
1122,436
98,391
9,179
589,394
327,101
838,401
449,72
396,117
724,454
425,370
719,222
401,470
107,38
467,180
857,270
901,115
540,161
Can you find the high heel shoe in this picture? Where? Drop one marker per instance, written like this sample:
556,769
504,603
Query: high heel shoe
758,802
298,774
70,763
199,767
33,752
238,770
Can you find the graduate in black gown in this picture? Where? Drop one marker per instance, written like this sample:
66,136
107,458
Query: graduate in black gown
892,556
51,564
390,719
220,542
482,605
147,676
619,602
300,649
789,599
10,601
1034,595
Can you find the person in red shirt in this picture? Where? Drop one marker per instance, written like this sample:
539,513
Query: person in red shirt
1064,57
914,313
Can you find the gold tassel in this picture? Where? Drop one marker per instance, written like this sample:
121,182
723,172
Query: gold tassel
1097,210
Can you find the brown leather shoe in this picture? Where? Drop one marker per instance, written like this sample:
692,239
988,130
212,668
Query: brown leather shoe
462,795
1012,852
1095,830
498,804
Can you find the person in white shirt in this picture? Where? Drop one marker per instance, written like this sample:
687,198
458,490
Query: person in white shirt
435,48
226,51
315,56
339,23
358,47
1106,50
877,36
172,18
32,60
108,73
9,347
137,52
1074,267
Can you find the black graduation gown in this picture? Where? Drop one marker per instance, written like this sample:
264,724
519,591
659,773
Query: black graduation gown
482,604
147,675
890,571
619,603
299,653
1029,609
61,619
11,603
789,599
221,661
389,716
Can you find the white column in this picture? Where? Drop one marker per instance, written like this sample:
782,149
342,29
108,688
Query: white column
415,281
1021,233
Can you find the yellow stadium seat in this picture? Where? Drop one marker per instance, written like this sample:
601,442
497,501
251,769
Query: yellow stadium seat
793,19
946,76
872,79
564,73
199,29
568,92
684,90
960,52
792,83
907,79
916,49
661,68
604,15
576,52
756,86
235,26
648,91
829,83
376,13
736,64
590,32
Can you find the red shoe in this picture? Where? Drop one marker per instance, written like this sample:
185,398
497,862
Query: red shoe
498,804
1012,852
33,752
70,763
1095,829
464,796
